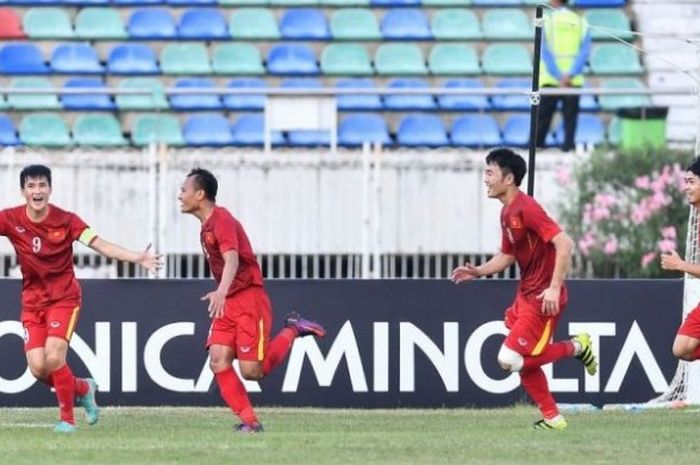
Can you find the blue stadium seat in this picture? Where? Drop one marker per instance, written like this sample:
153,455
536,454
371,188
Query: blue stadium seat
498,2
245,102
151,23
516,131
422,130
191,102
291,59
75,58
21,58
249,130
410,23
356,129
588,102
304,23
203,24
132,59
475,131
86,101
463,102
301,83
599,3
207,130
359,101
512,102
191,2
8,132
589,130
408,102
127,3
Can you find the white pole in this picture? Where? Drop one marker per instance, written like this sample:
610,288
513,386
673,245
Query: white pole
366,218
377,211
163,204
152,196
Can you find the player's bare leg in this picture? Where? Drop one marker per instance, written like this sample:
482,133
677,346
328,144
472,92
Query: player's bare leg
686,348
231,388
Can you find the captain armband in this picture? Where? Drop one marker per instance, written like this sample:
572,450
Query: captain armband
87,236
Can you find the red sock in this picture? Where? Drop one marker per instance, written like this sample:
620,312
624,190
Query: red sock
234,394
278,349
81,387
552,353
64,383
535,384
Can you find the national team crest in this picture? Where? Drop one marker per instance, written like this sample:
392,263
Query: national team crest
57,235
209,238
516,222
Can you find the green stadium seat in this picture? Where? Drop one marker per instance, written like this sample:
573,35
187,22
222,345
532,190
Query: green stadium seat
253,23
615,102
47,23
610,18
511,59
453,59
3,103
615,131
242,2
44,129
99,23
399,59
507,23
32,101
185,58
156,101
615,59
355,24
237,59
456,23
156,128
345,59
446,2
343,3
98,130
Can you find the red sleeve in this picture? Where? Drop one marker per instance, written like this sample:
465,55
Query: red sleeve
225,232
506,245
537,220
76,226
3,223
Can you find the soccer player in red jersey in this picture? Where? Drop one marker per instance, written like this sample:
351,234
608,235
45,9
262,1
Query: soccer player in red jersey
42,236
542,251
239,307
686,346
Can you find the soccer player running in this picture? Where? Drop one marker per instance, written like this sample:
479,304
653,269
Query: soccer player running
686,346
42,236
543,251
239,307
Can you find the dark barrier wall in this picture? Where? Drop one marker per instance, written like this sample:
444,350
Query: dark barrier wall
390,343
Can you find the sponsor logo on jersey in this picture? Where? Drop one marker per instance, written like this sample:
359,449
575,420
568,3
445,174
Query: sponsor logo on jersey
55,324
522,341
57,235
26,336
20,229
244,349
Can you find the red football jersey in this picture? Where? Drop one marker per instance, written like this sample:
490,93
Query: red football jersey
526,234
220,233
45,254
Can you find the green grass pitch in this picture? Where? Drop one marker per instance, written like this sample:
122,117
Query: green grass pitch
168,435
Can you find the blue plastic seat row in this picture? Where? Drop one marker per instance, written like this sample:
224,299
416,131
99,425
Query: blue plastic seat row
377,3
413,130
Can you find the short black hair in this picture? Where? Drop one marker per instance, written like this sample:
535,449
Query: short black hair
34,171
509,162
695,166
206,181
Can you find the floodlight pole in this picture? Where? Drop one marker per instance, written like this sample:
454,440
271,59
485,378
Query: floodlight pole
534,102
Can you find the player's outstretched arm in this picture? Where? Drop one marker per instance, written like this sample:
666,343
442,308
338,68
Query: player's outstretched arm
145,258
672,261
467,272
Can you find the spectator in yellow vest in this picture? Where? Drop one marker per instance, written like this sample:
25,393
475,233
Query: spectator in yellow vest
566,44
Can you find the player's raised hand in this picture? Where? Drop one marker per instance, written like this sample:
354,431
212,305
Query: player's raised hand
550,301
464,273
151,262
216,303
671,261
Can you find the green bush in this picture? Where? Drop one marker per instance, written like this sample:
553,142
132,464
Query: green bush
623,209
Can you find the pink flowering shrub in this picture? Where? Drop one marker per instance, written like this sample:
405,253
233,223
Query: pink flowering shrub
624,210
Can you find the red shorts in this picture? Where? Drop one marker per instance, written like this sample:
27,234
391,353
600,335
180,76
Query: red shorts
691,326
245,325
530,331
58,320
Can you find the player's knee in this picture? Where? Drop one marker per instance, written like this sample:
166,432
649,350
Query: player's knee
509,359
217,364
251,372
54,361
681,351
